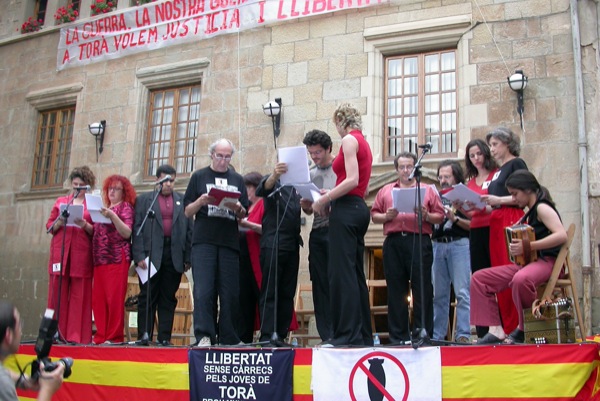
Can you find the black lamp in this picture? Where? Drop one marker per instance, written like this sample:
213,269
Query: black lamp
273,110
518,82
97,130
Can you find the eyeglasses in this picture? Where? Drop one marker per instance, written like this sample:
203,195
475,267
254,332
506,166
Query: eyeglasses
316,152
406,168
222,157
444,177
115,189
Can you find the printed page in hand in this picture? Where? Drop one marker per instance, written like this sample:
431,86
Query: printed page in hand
297,162
462,193
94,206
223,196
405,199
75,212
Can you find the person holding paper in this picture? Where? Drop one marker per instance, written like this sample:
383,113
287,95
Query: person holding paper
279,254
215,246
348,224
75,315
505,147
169,237
112,258
400,255
250,270
451,267
481,168
319,146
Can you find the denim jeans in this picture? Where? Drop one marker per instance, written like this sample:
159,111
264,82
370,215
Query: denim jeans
451,265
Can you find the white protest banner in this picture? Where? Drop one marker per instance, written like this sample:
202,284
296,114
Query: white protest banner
171,22
377,373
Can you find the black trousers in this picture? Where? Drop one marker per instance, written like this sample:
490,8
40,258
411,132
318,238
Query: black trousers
479,246
401,267
163,286
351,315
318,259
286,271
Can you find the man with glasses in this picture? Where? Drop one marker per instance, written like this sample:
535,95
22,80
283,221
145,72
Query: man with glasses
215,246
318,145
169,237
451,261
400,254
10,338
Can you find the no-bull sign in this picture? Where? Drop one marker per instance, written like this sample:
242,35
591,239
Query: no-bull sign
393,374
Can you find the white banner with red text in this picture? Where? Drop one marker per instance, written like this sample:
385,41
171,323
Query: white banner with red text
171,22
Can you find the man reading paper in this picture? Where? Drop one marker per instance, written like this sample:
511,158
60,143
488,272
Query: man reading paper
400,261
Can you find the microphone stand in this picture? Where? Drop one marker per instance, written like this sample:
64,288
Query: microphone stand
275,341
150,214
419,336
65,216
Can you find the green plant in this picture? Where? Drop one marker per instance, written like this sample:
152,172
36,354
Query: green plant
31,25
142,2
66,14
103,6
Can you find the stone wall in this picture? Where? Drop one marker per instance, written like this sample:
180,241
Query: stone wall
313,64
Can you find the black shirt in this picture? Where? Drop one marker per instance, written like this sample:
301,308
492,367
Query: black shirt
289,217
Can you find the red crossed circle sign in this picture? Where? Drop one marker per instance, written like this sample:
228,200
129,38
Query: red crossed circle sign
361,365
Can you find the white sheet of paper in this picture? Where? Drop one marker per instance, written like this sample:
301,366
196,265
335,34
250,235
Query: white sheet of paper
143,273
75,212
405,199
308,191
297,161
94,206
462,193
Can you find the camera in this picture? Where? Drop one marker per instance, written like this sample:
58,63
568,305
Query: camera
43,344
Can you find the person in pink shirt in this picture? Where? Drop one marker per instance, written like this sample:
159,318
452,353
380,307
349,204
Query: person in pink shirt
401,256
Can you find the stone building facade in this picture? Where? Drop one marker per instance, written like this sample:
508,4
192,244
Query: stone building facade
313,63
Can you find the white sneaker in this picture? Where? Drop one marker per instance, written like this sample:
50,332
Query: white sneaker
204,342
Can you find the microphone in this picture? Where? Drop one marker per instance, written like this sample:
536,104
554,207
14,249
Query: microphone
426,146
162,180
83,188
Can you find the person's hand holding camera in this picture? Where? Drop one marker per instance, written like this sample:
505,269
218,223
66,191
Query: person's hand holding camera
49,382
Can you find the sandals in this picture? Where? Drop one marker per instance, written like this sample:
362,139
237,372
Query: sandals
517,336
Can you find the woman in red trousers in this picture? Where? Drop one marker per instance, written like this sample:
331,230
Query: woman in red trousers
70,283
112,257
505,148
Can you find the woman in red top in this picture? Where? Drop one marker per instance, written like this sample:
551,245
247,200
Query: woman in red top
112,257
481,167
348,223
75,299
250,273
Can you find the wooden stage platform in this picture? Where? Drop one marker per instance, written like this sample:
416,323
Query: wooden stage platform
517,372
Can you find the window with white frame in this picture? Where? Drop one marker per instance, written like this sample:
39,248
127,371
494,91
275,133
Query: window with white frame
421,102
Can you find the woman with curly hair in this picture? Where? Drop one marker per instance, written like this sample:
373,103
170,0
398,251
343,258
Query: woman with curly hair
348,222
70,263
112,257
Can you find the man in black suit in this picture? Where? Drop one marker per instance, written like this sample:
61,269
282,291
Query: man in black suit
169,238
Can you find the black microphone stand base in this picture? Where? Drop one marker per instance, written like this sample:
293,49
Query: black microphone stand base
145,340
275,341
420,337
